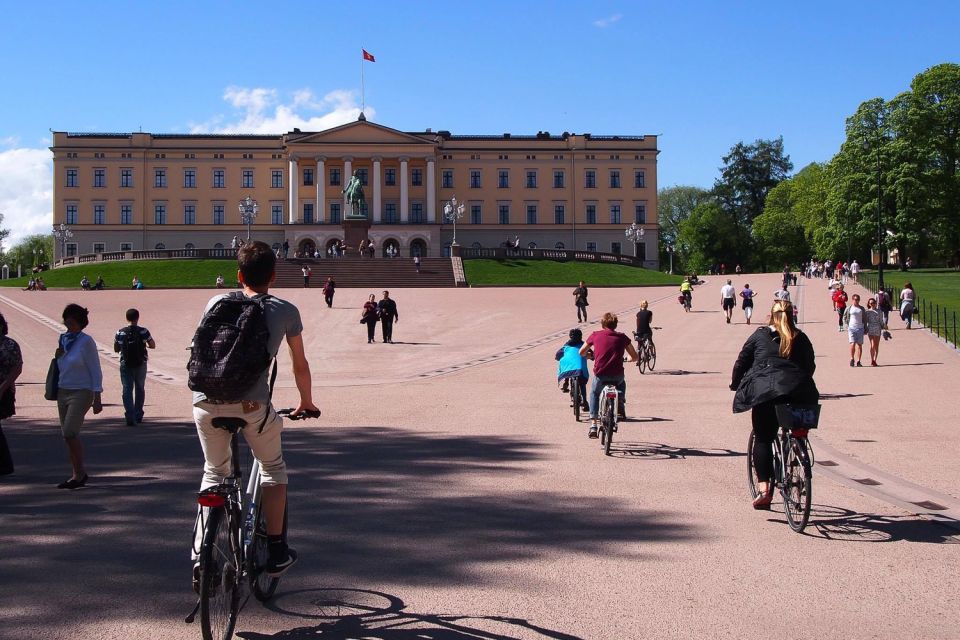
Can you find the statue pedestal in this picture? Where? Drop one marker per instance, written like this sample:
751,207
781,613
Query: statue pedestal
355,231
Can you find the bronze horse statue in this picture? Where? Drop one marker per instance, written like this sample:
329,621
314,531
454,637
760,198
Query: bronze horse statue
354,193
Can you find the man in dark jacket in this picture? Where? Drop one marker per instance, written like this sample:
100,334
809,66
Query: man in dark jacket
388,315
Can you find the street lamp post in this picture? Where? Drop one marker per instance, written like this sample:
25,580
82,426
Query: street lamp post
62,233
634,234
248,212
670,250
880,256
452,212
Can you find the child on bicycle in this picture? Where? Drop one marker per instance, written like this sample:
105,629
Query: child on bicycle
573,365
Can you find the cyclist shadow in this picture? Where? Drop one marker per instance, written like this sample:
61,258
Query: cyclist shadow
679,372
659,451
843,525
345,614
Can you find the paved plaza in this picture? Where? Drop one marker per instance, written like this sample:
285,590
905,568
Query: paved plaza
447,492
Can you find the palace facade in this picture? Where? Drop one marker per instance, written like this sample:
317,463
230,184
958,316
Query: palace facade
134,191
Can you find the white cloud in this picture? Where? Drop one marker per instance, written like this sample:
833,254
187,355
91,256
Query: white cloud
26,192
603,23
263,111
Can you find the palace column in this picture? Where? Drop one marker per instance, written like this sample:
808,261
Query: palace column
321,181
431,190
294,183
404,192
376,189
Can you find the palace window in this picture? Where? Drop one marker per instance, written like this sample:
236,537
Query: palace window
276,179
334,177
308,177
531,214
247,179
416,177
504,213
126,246
390,177
474,178
334,212
390,215
218,214
126,177
71,177
276,214
503,179
160,214
614,179
446,179
591,246
189,178
591,179
417,216
476,214
219,178
531,179
99,247
615,247
591,214
558,179
640,213
71,214
639,179
308,213
614,214
99,177
99,214
126,214
160,178
559,213
189,214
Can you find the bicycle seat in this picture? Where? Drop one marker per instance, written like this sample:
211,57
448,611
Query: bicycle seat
229,424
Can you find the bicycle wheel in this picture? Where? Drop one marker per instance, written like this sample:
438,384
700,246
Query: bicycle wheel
608,424
797,484
219,593
642,359
263,585
575,397
751,472
651,356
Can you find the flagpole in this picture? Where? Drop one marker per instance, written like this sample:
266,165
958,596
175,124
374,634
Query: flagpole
363,104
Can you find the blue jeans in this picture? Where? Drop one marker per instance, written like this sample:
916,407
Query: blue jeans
133,379
598,385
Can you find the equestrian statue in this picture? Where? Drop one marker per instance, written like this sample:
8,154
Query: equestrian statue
355,199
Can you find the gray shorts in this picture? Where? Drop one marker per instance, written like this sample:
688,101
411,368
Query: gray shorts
73,404
856,335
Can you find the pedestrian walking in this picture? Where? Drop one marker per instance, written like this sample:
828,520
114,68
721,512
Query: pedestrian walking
286,249
580,301
839,298
853,318
748,295
369,316
132,342
874,324
362,248
11,366
782,293
728,299
79,387
416,263
884,306
855,270
329,288
908,300
307,272
387,308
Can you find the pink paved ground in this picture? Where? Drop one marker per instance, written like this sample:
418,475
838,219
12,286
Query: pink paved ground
448,473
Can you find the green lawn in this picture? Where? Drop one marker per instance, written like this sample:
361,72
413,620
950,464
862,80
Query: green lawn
937,286
153,273
548,272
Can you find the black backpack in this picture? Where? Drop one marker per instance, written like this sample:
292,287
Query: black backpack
133,349
229,349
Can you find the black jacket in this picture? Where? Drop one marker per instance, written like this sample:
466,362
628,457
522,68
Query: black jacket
761,375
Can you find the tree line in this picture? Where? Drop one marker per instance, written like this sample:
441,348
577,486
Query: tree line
894,183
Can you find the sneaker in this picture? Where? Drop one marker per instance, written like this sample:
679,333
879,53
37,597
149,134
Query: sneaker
763,500
858,364
276,568
594,430
851,362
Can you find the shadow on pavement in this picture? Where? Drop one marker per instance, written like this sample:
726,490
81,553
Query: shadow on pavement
658,451
369,504
345,614
911,364
680,372
840,396
839,524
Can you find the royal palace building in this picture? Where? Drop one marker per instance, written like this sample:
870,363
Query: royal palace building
135,191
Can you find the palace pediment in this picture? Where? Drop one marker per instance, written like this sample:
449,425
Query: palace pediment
357,133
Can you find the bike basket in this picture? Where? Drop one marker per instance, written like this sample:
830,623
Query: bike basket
798,416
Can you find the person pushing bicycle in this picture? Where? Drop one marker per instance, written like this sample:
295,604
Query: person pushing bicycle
256,272
606,347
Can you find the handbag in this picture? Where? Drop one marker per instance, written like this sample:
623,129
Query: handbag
53,381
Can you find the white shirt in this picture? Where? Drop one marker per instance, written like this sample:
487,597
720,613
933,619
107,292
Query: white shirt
855,268
728,291
854,317
782,294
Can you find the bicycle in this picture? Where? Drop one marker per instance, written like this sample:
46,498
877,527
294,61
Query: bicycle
576,399
610,399
647,352
233,551
686,299
792,462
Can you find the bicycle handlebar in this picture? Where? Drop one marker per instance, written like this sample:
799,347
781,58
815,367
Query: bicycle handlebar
288,413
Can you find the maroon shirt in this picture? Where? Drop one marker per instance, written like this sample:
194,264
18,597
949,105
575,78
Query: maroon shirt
608,347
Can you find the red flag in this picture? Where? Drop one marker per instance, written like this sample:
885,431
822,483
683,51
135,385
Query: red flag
368,56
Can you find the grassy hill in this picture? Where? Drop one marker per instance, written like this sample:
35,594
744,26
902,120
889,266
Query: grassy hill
550,273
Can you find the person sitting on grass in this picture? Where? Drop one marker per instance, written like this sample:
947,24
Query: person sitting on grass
572,365
85,283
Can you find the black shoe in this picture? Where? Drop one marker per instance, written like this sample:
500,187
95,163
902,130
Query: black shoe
130,422
73,484
585,407
278,567
565,388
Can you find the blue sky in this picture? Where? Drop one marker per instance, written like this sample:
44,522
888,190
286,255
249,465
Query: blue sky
704,75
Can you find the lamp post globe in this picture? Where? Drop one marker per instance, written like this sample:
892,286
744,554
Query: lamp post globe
248,212
452,212
634,234
62,233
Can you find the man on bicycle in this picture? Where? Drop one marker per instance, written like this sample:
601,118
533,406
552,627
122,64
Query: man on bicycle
256,262
606,347
686,290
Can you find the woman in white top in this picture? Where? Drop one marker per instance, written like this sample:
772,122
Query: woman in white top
853,318
908,300
874,323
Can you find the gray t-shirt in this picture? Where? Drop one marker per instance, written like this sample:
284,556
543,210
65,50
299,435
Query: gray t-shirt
283,321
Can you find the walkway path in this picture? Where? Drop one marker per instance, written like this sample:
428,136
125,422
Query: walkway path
447,492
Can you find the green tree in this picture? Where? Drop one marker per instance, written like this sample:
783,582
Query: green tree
708,236
30,251
748,174
778,233
674,205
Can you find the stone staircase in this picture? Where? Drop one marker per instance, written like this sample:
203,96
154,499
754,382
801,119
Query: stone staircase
376,273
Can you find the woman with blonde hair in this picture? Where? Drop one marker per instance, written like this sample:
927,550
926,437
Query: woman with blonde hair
775,366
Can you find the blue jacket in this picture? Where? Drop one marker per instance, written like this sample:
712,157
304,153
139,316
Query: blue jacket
571,364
